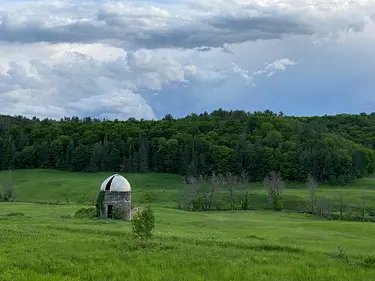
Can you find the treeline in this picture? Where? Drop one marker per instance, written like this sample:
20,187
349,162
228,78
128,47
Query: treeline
228,192
333,149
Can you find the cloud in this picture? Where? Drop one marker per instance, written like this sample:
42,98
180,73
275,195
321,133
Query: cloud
117,59
204,25
279,65
83,84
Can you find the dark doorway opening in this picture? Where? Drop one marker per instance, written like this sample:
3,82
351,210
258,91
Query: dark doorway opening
109,211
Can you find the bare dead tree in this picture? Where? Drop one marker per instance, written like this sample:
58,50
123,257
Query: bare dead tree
324,207
274,186
214,180
341,206
189,192
312,185
231,180
244,177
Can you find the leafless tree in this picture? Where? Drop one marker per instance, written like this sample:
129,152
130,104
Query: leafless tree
214,181
274,186
341,205
324,208
189,192
231,181
244,177
313,200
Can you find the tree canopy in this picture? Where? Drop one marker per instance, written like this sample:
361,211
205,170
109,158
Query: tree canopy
335,149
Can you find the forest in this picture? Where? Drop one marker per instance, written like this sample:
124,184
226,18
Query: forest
333,149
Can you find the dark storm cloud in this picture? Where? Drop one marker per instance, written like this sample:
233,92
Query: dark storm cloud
198,33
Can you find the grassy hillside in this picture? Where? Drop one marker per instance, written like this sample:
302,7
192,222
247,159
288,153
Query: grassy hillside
166,189
45,244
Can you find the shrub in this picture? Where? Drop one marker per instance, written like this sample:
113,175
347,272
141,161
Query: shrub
83,200
120,213
339,253
65,217
369,262
245,202
146,198
99,202
86,213
143,224
8,191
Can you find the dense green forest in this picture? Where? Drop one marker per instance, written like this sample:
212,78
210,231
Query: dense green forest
334,149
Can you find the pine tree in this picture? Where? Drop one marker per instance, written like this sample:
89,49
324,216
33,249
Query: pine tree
113,160
143,155
96,158
135,162
105,154
69,156
192,170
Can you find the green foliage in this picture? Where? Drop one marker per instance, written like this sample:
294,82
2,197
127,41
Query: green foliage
121,213
143,224
99,202
245,202
8,193
146,198
369,262
274,185
190,245
86,213
340,254
334,149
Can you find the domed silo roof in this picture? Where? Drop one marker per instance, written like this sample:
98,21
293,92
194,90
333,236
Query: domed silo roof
116,183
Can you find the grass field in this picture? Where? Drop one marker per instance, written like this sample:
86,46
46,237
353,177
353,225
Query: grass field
45,242
166,190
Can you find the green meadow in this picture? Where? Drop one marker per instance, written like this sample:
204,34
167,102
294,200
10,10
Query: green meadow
45,241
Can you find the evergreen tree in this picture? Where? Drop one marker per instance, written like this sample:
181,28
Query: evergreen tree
96,158
143,155
113,160
105,154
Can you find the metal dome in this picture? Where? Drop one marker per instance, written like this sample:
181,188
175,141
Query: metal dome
116,183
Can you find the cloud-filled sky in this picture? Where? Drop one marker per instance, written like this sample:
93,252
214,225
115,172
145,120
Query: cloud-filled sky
144,59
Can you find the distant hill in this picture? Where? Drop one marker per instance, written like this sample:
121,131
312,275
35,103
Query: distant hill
334,149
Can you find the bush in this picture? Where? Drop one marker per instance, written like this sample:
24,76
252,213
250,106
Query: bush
86,213
143,224
99,202
369,262
146,198
245,202
8,190
120,213
340,254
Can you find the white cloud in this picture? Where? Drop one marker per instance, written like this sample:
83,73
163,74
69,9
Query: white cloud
107,58
279,65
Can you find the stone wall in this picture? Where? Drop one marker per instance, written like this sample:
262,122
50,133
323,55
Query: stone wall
119,200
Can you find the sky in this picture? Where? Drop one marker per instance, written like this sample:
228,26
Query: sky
144,59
